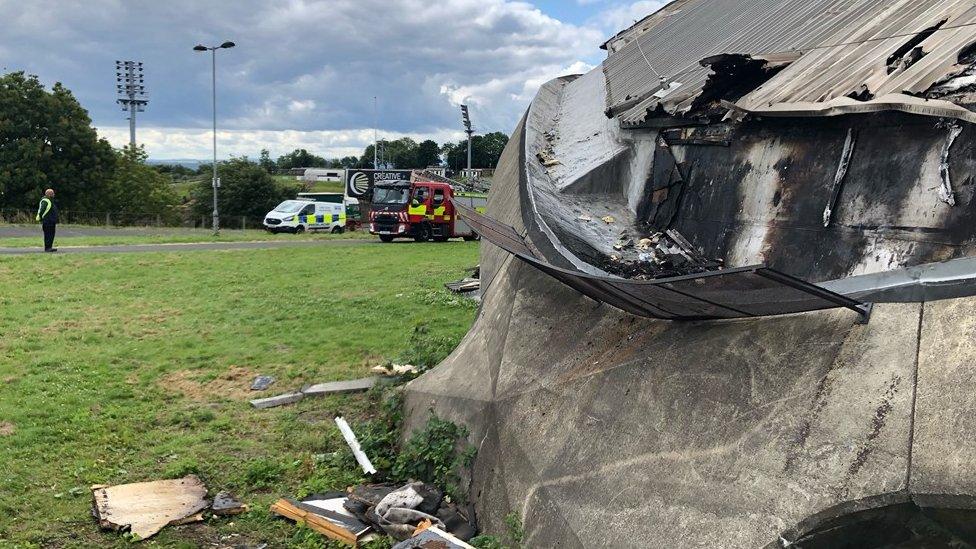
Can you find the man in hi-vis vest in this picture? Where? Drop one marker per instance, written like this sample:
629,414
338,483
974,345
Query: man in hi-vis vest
47,214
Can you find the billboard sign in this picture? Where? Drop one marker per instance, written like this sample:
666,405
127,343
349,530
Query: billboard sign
360,183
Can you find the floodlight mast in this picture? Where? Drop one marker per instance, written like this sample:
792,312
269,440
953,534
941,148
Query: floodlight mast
131,88
466,119
213,79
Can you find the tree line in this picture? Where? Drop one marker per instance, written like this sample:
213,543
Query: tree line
403,153
47,141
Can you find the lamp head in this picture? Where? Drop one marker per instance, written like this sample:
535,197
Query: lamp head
228,44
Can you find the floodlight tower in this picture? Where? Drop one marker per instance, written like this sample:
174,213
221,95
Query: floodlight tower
467,129
130,86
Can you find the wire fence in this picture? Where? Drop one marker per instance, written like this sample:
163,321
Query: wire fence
131,219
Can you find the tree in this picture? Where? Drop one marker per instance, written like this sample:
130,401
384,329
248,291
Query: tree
300,158
46,140
266,162
246,189
485,151
136,188
428,154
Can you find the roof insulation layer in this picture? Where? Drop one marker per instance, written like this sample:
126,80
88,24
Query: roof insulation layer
846,47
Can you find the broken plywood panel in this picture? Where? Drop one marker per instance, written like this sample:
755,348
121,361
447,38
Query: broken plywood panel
144,508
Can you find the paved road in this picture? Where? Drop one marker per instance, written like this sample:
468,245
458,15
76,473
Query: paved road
196,246
68,231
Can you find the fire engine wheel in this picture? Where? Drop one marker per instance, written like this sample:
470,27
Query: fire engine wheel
386,238
423,233
300,229
337,230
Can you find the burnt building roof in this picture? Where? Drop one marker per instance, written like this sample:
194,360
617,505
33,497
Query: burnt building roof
824,57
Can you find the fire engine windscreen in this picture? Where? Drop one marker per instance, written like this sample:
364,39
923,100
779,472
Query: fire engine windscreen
391,195
290,206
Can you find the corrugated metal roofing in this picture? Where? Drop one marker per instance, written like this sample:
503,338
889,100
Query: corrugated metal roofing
704,28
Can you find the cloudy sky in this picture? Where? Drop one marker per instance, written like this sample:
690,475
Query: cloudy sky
304,72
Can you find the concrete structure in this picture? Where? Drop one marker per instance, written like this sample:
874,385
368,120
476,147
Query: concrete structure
601,428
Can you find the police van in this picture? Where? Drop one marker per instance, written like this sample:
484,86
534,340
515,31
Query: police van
298,216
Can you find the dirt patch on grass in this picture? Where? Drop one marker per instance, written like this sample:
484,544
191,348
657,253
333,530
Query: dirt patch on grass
234,384
7,428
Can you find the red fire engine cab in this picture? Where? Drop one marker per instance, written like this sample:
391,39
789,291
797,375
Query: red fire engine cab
421,209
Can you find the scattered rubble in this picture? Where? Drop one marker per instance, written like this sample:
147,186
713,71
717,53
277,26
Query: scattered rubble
464,285
280,400
319,389
145,508
432,538
353,443
403,512
340,387
660,255
262,382
324,519
397,511
608,219
395,370
226,504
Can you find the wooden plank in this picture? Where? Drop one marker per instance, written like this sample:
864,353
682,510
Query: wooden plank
321,525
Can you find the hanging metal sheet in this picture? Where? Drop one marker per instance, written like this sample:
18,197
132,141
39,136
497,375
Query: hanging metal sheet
726,294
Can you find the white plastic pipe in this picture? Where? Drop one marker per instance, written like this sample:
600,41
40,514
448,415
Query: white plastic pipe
353,443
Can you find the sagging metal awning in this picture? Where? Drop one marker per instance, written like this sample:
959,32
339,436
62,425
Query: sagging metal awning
727,294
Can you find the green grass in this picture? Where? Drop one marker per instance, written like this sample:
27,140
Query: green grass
135,367
172,236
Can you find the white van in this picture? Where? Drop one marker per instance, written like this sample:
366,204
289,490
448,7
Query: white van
298,216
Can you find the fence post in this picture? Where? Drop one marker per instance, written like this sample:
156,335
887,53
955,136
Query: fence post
108,219
243,223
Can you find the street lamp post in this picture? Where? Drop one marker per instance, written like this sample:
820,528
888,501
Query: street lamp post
215,181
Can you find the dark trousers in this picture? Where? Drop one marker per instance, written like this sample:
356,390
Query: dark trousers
49,235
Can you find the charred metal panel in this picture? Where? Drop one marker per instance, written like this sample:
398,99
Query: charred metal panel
756,200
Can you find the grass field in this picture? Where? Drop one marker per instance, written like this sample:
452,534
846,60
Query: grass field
126,368
171,236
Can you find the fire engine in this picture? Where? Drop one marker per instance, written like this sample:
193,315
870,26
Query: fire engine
422,209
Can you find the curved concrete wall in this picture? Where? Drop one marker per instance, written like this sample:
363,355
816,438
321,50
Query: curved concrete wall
602,429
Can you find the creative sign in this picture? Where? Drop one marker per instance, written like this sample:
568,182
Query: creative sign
360,183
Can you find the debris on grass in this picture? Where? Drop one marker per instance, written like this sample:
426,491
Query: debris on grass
325,518
319,389
433,537
340,387
394,370
226,504
7,428
400,511
280,400
465,285
145,508
262,382
353,443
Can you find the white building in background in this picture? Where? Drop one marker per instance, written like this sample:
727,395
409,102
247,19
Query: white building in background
311,175
477,173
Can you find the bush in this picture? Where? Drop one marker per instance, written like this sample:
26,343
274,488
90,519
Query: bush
246,189
436,454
